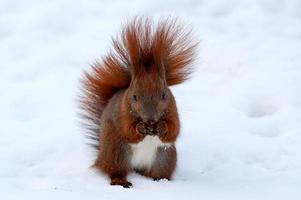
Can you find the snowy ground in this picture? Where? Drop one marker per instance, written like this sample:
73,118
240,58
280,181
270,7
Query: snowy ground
241,113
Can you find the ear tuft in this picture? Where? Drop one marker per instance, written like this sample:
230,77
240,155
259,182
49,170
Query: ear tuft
167,49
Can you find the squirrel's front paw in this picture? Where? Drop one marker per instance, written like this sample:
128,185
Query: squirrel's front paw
161,128
141,128
146,128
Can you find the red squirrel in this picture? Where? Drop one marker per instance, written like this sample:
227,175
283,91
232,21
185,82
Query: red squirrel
127,105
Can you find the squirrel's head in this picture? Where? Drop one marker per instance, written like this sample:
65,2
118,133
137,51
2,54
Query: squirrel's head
156,57
149,98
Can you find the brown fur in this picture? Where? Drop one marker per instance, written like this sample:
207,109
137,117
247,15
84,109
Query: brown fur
127,97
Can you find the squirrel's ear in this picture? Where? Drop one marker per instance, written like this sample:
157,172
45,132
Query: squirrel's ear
128,47
160,69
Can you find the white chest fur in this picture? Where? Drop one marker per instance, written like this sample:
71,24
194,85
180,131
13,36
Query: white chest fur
144,152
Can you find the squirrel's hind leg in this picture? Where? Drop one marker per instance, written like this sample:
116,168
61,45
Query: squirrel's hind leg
164,164
113,156
116,173
120,180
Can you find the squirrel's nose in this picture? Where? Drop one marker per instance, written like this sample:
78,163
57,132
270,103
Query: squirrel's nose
150,120
150,114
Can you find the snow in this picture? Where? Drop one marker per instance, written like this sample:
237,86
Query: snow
240,114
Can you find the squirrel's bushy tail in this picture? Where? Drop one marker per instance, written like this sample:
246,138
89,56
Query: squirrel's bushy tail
169,46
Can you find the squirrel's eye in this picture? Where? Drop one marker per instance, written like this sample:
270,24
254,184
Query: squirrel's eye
163,96
135,98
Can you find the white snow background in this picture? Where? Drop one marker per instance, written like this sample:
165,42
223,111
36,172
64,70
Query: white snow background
240,113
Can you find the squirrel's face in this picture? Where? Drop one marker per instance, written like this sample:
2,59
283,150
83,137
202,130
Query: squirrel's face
149,99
